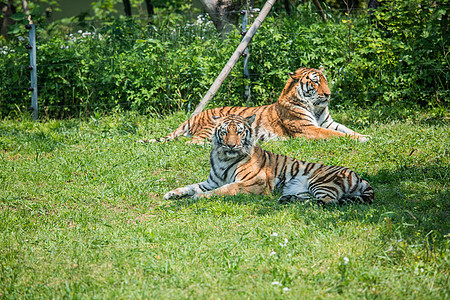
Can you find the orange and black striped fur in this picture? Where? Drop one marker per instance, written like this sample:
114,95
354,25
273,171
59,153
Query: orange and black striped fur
240,165
301,111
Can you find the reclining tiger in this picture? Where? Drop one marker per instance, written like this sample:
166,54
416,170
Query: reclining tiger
301,111
240,165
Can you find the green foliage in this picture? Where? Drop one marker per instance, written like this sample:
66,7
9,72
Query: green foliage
82,215
398,55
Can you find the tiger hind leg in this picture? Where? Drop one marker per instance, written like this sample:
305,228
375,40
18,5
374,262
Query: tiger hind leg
294,190
367,196
303,197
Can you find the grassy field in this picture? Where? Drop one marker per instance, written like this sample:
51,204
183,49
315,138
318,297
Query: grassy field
82,215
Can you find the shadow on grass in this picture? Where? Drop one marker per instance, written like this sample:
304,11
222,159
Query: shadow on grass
411,203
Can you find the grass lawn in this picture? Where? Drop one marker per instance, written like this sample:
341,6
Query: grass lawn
82,215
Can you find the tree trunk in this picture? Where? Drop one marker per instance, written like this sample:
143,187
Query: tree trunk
127,7
287,6
234,58
7,11
150,10
373,4
223,13
26,11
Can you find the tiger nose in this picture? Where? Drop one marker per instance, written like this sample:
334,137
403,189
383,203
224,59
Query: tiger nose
231,146
326,92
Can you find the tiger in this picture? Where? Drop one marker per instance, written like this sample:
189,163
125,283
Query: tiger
239,165
301,111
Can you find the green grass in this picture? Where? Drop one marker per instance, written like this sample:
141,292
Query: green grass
82,215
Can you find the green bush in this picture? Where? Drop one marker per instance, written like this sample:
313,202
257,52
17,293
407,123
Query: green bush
395,56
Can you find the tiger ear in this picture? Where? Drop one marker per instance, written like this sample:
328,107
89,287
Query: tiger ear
290,73
321,69
250,119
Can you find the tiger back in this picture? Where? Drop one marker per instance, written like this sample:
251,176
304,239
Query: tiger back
301,111
240,165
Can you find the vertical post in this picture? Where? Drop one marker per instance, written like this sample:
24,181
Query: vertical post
33,71
245,55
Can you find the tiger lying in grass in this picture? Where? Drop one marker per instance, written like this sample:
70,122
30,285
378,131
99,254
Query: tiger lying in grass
240,165
301,111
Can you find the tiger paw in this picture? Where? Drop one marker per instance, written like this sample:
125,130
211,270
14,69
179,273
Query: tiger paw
147,141
175,194
327,200
364,138
171,195
286,199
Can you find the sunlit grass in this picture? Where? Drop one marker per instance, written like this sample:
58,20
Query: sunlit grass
82,215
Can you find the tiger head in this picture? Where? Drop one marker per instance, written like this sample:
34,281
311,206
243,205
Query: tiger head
308,88
233,135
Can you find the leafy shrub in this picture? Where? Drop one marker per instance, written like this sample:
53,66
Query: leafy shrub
397,56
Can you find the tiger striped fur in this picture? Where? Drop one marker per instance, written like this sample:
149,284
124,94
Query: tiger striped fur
240,165
301,111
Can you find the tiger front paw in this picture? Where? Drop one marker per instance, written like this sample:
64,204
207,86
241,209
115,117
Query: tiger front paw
364,138
179,193
171,195
151,141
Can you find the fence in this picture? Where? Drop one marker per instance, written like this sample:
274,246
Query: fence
131,64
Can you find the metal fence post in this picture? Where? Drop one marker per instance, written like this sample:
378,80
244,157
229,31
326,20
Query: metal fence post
33,71
245,55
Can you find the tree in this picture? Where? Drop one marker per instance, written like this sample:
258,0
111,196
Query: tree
127,7
223,13
7,11
150,10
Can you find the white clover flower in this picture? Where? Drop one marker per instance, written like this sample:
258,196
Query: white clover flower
274,234
285,243
276,283
346,260
286,289
200,19
80,31
273,253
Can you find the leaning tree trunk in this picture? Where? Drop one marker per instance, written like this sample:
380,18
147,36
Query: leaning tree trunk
233,59
223,13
